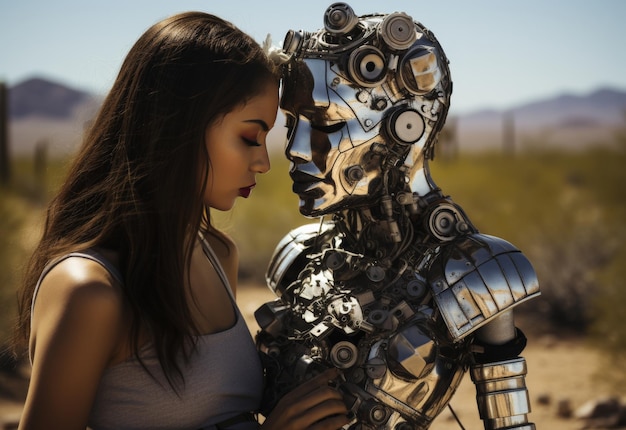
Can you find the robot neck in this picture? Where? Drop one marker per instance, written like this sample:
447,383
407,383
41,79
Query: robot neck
408,204
393,215
407,197
417,176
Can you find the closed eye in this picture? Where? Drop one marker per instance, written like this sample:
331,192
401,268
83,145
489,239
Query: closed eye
250,142
328,128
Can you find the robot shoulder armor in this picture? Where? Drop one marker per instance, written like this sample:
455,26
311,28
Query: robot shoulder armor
477,277
295,245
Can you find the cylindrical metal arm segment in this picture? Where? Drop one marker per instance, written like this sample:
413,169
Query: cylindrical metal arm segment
502,396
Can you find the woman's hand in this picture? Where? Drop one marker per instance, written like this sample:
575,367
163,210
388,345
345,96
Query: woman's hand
314,405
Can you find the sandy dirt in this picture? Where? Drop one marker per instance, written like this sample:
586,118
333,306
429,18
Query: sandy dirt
560,369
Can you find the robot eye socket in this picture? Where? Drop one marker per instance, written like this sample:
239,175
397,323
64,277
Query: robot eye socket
328,128
367,66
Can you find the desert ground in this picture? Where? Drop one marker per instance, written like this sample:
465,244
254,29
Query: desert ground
562,368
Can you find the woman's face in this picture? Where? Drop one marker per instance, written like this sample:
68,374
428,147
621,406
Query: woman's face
237,149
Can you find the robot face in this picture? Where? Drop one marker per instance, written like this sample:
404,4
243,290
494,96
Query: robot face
364,98
334,156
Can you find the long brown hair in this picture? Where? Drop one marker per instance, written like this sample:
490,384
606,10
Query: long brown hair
134,185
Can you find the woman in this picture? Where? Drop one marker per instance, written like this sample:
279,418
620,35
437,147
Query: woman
127,304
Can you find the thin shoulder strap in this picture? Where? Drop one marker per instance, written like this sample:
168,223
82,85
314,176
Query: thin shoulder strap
208,251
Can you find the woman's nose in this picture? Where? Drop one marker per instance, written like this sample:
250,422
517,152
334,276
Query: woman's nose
262,163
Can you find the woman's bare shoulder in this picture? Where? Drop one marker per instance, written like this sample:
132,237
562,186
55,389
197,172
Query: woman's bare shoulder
78,297
77,332
77,278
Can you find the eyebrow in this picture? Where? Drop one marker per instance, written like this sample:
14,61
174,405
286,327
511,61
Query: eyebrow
260,122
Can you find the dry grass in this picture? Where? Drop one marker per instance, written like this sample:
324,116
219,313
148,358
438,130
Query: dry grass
544,203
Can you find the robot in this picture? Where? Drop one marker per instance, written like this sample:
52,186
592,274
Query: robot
394,285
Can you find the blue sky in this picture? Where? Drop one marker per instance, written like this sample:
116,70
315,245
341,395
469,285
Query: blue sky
502,53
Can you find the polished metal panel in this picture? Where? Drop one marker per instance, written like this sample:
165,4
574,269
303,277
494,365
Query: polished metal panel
502,396
292,246
478,277
393,358
396,288
340,92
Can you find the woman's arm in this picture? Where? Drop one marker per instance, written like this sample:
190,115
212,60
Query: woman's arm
76,330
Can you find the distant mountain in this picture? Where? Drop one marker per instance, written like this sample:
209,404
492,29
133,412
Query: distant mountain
605,105
47,112
42,98
566,121
42,112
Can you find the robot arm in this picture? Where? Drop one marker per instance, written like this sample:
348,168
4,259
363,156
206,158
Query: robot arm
399,290
477,281
499,375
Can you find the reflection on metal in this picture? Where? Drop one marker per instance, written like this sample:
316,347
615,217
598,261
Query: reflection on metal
502,395
396,289
370,92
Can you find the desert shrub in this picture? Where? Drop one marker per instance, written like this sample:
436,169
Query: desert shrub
21,209
570,268
10,256
608,332
37,178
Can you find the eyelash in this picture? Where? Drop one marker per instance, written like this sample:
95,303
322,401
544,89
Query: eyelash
250,142
328,128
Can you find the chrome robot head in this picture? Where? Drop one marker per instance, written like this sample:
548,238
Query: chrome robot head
365,98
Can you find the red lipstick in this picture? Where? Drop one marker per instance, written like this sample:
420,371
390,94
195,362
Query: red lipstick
245,191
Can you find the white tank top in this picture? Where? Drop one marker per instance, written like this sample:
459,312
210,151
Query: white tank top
224,378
